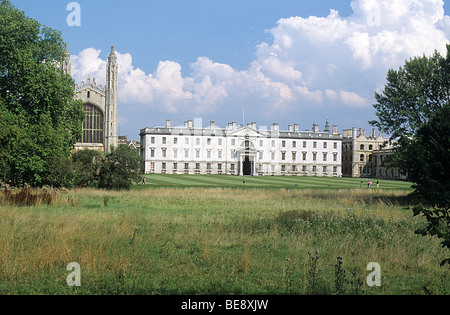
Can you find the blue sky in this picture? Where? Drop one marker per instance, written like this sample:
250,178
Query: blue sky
285,61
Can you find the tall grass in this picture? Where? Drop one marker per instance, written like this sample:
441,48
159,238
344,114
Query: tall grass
214,241
28,197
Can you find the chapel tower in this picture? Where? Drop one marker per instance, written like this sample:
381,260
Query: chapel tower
67,64
111,93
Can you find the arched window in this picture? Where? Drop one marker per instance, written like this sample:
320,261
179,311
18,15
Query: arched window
93,125
362,147
361,158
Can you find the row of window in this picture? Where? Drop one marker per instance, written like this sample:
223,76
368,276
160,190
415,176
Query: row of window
362,147
294,155
284,168
362,158
233,142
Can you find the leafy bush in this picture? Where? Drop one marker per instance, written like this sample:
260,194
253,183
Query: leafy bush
120,168
86,164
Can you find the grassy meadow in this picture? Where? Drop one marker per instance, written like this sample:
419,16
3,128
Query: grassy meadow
212,235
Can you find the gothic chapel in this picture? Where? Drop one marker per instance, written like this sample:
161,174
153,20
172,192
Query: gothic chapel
100,105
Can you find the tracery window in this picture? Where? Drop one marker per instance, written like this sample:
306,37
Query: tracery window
93,125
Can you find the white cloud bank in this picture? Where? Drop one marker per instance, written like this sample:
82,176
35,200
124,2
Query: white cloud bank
328,61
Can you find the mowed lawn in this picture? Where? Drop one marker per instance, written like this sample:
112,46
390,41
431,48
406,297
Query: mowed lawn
160,180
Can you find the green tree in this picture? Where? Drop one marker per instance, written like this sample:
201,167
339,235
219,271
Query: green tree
8,135
414,109
120,168
413,94
86,164
38,98
427,161
61,173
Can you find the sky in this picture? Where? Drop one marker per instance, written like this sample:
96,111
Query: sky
285,61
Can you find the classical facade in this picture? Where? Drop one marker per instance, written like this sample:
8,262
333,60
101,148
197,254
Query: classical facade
358,152
241,150
100,105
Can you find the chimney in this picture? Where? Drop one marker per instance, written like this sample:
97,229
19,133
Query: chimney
186,124
316,128
230,126
254,125
335,130
198,123
276,127
234,125
291,128
296,128
168,123
213,124
354,135
190,124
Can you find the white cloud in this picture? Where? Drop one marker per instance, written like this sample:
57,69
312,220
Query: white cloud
352,99
88,64
331,62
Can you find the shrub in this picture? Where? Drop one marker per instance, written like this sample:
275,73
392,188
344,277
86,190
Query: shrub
120,168
86,164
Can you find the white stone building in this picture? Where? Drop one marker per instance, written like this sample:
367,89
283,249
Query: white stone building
244,150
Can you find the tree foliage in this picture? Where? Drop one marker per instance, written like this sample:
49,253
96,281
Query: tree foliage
413,94
41,120
116,170
414,109
427,160
86,164
120,168
8,136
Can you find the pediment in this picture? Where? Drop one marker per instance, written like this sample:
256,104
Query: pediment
246,132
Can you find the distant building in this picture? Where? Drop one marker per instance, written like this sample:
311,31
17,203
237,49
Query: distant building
358,152
381,170
123,140
135,145
243,150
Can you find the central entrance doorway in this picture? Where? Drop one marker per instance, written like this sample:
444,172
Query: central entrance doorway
247,158
247,167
